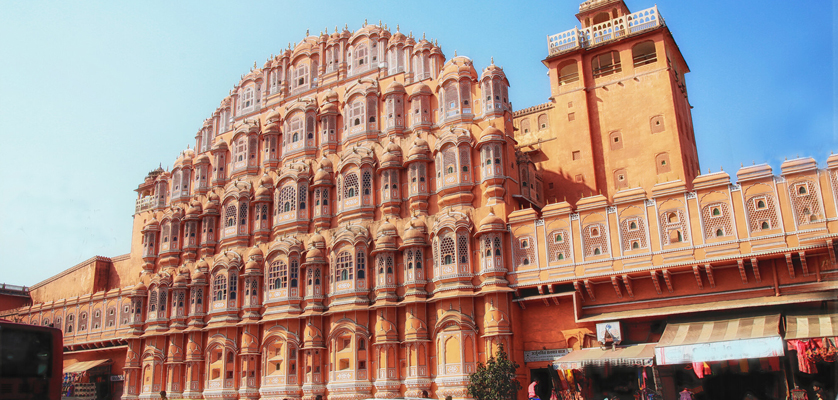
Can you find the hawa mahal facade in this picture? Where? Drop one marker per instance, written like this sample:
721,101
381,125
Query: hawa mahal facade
362,217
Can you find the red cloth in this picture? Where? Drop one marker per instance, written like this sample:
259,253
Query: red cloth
698,368
803,363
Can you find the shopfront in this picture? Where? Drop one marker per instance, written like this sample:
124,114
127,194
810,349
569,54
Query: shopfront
613,372
723,359
812,353
87,380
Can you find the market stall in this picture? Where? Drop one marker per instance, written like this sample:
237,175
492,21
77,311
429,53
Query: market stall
813,350
723,359
619,372
87,380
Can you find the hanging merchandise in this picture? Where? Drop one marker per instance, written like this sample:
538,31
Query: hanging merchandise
698,368
805,352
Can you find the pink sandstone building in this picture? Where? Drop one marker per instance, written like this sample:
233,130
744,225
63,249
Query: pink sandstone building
363,217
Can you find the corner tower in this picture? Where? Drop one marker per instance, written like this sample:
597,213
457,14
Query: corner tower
619,115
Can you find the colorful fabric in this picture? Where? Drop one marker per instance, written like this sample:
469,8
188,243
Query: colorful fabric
698,368
531,391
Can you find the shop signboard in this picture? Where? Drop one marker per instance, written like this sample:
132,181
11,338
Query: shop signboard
609,332
720,351
117,378
544,355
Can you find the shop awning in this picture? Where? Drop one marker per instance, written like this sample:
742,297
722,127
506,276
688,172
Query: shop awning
638,354
811,326
720,340
85,365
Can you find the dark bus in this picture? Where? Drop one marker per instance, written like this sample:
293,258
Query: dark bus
31,360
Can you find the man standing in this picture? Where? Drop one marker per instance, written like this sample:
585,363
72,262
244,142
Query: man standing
531,390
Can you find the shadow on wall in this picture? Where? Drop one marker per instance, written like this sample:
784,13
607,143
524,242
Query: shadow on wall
560,186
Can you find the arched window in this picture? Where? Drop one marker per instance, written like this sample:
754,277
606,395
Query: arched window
356,113
344,268
542,121
219,288
765,225
234,280
644,53
447,250
361,261
287,198
351,185
568,73
367,183
606,64
278,275
152,300
230,216
295,272
163,295
720,232
672,218
361,60
295,129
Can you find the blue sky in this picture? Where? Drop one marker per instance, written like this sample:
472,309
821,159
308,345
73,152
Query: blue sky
93,95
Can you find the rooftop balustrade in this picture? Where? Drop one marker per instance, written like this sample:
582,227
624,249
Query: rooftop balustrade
613,29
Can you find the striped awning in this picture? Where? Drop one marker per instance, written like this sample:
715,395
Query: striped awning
84,365
811,326
638,354
720,340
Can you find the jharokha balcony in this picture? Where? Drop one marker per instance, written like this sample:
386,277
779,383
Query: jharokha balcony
613,29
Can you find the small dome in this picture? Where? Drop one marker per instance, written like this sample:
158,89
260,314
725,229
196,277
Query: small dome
395,87
140,286
220,144
198,275
495,317
322,175
202,264
330,96
251,266
490,220
390,157
329,108
263,191
194,207
273,116
222,258
421,88
266,180
387,226
255,251
412,233
384,327
313,252
325,163
393,147
419,148
398,37
213,197
491,130
202,159
180,278
317,240
312,334
152,224
414,326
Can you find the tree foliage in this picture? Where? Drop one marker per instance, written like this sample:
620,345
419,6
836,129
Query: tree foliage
496,380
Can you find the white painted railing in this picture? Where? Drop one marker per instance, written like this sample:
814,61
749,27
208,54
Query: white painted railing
604,32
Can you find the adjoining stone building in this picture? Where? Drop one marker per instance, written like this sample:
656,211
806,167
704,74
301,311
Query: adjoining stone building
363,218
